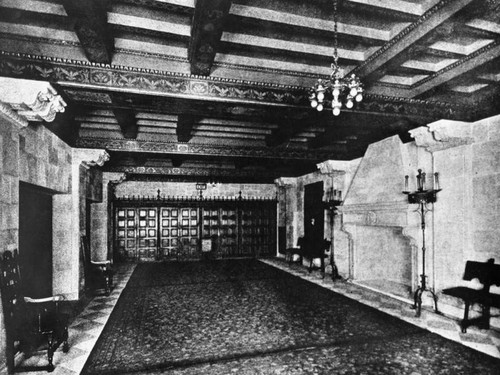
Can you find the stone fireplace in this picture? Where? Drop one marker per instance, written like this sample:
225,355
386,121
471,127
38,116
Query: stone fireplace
383,229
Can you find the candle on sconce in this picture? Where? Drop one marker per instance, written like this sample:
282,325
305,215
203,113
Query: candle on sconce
423,181
436,181
420,185
406,182
340,195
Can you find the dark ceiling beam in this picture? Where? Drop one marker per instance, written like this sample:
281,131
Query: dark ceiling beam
91,27
124,115
463,66
177,161
418,30
377,129
288,128
208,21
184,128
127,121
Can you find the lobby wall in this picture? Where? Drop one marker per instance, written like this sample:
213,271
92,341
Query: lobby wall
34,155
379,228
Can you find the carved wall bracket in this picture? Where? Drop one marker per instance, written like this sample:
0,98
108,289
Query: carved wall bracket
32,100
88,157
443,134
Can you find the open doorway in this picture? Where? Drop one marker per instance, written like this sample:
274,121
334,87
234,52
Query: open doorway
35,240
314,216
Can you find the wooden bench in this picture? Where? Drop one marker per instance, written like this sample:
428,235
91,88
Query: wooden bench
488,273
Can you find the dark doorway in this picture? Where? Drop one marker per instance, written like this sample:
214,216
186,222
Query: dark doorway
35,240
313,212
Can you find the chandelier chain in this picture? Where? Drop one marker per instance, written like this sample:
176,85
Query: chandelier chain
338,90
335,32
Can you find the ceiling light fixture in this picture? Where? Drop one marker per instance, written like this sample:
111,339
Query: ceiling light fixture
338,88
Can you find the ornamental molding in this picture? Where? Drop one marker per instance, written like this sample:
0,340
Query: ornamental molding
193,172
442,135
198,149
76,73
90,157
392,214
12,117
33,100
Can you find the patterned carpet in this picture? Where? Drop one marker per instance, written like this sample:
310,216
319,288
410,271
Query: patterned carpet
245,317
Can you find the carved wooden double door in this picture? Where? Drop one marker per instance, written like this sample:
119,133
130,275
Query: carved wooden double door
152,233
181,232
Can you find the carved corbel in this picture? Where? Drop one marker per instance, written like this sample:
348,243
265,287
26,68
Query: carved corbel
32,100
285,181
333,166
90,157
442,134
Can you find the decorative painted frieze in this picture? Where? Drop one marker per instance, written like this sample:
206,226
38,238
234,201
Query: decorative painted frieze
68,72
199,149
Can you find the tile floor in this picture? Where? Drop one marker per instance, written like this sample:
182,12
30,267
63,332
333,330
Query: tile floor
83,331
86,328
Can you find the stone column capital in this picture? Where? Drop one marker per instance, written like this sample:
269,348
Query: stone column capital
32,100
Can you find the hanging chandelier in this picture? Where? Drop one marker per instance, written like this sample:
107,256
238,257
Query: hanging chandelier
338,88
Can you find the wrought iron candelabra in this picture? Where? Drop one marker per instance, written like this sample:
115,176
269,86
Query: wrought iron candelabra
423,197
332,201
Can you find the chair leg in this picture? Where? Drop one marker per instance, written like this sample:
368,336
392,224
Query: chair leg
50,352
65,339
465,321
108,285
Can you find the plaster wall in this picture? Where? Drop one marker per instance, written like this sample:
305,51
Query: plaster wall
468,209
185,189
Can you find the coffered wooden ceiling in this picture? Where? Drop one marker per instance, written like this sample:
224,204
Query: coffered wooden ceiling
217,89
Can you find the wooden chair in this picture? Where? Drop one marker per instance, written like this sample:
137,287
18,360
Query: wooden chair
488,274
291,251
98,275
29,323
316,250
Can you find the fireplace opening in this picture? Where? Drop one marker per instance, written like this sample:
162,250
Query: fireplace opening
382,260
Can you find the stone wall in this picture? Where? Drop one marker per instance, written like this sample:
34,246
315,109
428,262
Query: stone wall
34,155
